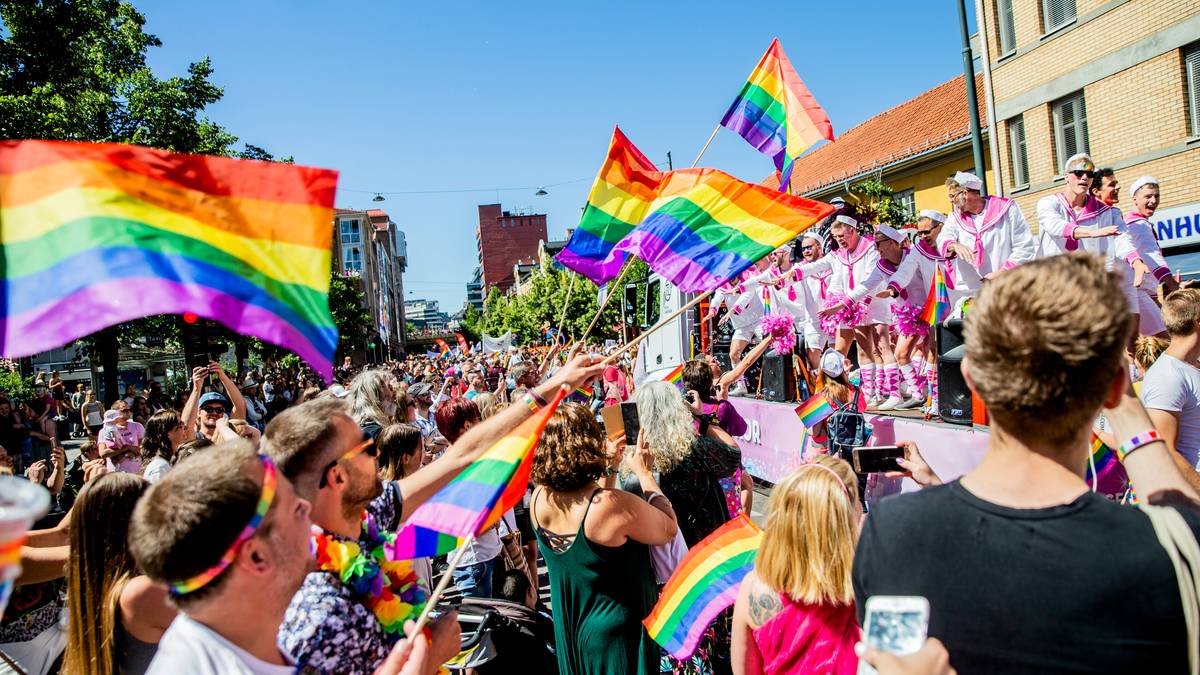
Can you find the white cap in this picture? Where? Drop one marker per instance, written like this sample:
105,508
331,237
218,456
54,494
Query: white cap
937,216
847,220
1143,182
889,232
833,363
1081,162
811,233
968,180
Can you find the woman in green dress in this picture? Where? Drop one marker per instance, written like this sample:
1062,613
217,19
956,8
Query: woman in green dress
596,542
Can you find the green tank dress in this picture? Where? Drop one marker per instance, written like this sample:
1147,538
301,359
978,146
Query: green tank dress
599,596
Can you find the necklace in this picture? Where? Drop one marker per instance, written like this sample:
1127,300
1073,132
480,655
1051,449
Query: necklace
389,588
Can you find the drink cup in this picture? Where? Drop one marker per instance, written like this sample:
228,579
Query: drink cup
21,503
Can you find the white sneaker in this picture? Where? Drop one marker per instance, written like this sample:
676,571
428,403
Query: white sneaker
738,389
891,403
874,402
911,404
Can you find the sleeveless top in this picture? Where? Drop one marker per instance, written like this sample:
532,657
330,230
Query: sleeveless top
804,638
130,656
599,595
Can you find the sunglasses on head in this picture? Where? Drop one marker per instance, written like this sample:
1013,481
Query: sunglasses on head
1083,173
367,447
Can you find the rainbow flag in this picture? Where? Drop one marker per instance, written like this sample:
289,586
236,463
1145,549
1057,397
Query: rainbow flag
937,303
675,377
444,347
477,497
705,584
94,234
776,114
462,343
696,227
1102,456
814,410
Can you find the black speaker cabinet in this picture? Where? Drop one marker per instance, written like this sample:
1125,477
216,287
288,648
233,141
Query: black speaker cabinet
950,335
954,398
778,378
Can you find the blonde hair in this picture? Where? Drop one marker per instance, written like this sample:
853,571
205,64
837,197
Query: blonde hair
1147,349
488,405
1044,341
1181,311
812,529
666,425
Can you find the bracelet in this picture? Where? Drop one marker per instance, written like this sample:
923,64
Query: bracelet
1140,440
528,400
534,395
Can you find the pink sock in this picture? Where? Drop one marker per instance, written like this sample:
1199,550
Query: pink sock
866,375
881,381
891,374
909,373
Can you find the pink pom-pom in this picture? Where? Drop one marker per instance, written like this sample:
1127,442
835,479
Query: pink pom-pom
907,320
780,327
851,315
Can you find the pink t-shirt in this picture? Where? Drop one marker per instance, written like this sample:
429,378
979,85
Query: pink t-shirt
804,638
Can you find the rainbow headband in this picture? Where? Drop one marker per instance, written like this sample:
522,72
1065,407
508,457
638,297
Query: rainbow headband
264,503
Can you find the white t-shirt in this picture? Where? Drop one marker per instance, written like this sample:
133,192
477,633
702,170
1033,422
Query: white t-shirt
1174,386
155,470
191,648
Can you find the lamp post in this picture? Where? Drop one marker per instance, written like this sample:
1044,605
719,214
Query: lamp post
972,100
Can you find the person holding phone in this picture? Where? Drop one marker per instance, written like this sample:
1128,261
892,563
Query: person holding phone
795,610
1020,549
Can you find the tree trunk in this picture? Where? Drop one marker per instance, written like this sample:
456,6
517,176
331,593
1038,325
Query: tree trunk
107,349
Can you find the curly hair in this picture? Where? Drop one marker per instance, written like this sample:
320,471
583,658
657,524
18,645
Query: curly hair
571,452
666,424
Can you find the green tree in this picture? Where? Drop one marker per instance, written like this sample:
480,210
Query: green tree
76,70
876,204
349,308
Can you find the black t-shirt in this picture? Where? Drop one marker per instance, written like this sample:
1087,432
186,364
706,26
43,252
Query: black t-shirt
694,487
1083,587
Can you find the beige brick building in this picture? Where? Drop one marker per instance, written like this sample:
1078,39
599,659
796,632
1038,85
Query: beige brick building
1119,79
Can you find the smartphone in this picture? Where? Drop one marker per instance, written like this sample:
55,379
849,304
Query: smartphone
629,419
897,624
878,459
613,425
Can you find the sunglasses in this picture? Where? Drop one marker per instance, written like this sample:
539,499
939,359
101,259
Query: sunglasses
807,248
214,409
924,233
1083,173
367,446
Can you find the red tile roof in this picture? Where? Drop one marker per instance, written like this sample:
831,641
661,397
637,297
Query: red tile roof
930,120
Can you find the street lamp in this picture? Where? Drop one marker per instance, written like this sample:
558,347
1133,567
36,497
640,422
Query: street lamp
377,198
541,192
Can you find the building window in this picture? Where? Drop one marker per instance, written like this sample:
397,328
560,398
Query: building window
1056,14
1007,29
352,260
907,201
1191,62
350,234
1018,160
1070,126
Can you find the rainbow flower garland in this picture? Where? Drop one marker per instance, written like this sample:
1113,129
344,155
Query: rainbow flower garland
389,588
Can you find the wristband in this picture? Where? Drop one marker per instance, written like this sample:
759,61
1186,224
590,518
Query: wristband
527,399
534,395
1143,439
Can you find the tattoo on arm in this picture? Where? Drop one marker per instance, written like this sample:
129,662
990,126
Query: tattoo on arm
763,606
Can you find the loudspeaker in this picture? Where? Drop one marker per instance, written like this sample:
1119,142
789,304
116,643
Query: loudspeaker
954,397
778,378
950,335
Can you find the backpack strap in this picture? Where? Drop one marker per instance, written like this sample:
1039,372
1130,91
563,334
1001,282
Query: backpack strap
1180,544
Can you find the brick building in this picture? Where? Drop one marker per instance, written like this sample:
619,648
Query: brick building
1119,79
503,239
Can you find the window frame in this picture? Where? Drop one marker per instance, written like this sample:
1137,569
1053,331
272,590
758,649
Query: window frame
1016,126
1047,4
1010,24
350,232
1079,113
1191,77
907,199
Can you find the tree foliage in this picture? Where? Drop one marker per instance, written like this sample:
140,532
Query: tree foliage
876,203
348,305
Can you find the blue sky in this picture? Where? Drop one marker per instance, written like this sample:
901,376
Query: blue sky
405,96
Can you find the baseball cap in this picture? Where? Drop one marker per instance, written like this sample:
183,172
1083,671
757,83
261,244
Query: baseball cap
833,363
419,389
213,396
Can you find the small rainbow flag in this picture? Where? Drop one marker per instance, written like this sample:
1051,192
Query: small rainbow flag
477,497
705,584
776,114
444,347
937,303
766,298
814,410
1102,456
675,377
697,228
99,233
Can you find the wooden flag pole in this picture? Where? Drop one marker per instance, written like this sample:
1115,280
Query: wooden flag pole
615,285
629,345
441,587
562,317
705,148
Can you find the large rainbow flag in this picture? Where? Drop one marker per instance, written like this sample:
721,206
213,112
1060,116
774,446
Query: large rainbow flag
94,234
937,303
695,227
477,497
776,114
705,584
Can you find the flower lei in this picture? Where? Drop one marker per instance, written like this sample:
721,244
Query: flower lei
389,588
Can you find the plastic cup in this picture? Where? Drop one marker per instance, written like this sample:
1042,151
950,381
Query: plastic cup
21,503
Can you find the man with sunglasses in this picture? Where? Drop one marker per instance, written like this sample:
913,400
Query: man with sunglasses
990,234
323,452
1074,220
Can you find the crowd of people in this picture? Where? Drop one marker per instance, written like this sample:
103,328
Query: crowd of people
240,526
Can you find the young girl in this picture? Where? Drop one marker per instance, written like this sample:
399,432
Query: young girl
795,610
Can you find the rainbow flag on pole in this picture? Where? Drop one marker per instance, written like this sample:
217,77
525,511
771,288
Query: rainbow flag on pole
776,114
1102,456
444,347
937,303
477,497
814,410
704,585
696,227
93,234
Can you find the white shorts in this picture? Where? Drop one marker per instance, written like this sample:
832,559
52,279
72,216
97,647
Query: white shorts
747,334
1150,321
879,311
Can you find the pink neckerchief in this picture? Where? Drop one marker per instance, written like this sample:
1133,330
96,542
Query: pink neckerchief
994,209
931,253
1092,208
778,272
850,258
1134,216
